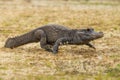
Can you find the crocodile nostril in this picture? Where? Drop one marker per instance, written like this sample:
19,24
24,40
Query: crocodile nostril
101,33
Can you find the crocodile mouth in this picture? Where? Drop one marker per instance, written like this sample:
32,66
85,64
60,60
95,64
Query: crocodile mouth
98,35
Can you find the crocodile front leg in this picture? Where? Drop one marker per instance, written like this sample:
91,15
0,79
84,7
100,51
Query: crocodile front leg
64,40
90,45
40,34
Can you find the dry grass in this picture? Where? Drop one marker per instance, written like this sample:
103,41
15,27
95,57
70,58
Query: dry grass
30,62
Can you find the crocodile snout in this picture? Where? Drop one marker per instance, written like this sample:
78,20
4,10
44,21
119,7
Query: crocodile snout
97,35
101,34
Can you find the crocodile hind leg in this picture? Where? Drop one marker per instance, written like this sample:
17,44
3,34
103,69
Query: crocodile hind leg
40,34
90,45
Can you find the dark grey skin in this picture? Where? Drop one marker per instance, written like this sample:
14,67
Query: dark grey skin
52,35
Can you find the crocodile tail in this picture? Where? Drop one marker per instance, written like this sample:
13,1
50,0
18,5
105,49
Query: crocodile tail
20,40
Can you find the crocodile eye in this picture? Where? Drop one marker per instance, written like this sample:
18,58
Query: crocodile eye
88,29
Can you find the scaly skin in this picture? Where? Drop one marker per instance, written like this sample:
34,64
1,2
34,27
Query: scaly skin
51,36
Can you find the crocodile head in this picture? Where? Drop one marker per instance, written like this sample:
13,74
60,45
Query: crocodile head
89,34
9,43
